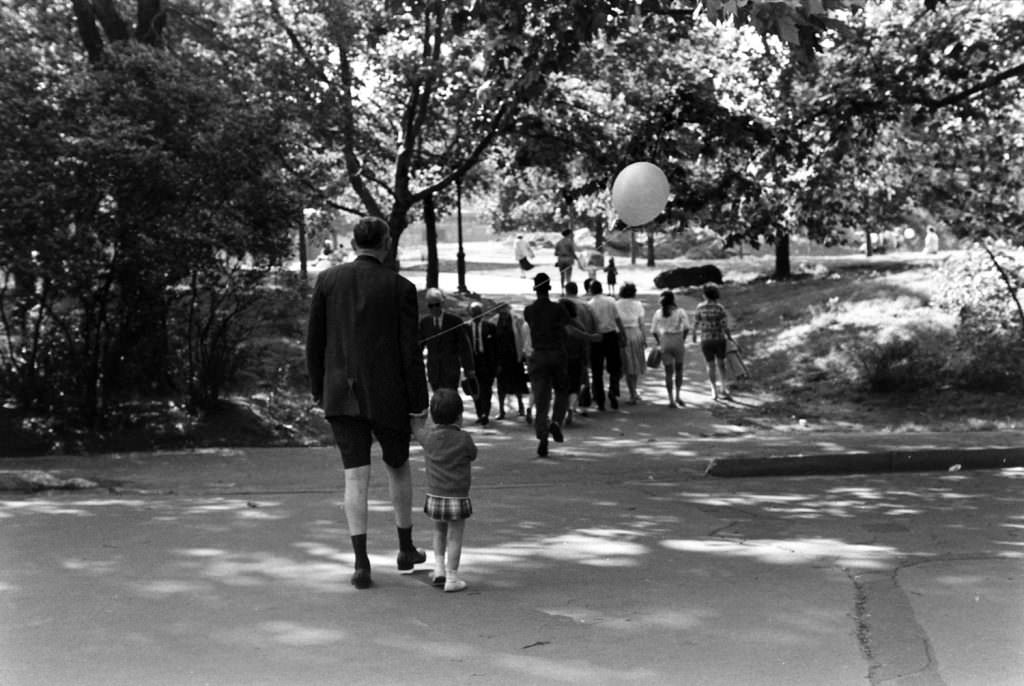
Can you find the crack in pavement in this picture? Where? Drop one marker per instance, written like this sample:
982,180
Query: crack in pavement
896,647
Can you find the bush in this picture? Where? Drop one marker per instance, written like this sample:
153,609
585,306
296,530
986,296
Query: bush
989,351
914,360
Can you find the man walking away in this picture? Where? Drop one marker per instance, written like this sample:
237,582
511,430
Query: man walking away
549,363
484,340
366,371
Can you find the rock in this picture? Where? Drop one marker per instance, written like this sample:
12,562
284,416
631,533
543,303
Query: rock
688,276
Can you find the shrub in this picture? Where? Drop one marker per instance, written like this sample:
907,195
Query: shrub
913,360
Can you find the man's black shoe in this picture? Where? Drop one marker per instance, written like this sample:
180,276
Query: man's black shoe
408,558
361,578
556,433
542,448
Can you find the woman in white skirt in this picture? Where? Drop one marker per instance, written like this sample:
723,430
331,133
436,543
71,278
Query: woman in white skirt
669,327
634,361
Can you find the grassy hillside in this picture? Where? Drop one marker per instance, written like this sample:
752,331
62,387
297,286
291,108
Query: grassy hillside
860,343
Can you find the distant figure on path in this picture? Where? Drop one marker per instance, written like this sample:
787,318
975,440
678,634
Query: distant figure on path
931,241
448,452
711,323
523,252
565,257
611,274
366,371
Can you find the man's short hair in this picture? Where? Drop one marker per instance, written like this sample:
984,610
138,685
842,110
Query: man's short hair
595,288
710,291
434,295
571,288
370,233
445,406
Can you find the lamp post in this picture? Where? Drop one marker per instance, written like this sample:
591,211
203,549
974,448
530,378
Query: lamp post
461,255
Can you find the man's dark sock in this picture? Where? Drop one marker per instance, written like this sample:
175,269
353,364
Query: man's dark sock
359,548
405,539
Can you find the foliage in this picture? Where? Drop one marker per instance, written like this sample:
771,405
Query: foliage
761,143
121,183
914,360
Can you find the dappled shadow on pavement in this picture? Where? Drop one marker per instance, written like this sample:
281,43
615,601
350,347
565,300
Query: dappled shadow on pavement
615,581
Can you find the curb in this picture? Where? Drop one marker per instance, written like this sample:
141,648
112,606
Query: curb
868,463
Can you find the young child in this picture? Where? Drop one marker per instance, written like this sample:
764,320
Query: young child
611,274
449,452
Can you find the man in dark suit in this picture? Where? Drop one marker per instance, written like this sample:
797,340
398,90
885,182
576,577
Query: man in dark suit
483,337
366,371
446,340
549,363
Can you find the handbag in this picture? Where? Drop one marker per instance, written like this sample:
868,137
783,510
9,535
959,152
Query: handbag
654,357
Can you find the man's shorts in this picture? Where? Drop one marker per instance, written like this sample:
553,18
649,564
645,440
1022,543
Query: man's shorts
354,436
713,349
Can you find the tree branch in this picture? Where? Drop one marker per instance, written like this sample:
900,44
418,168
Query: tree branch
352,164
992,81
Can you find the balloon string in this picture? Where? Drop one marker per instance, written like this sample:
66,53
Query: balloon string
463,323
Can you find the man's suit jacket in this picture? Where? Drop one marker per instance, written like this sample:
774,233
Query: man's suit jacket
484,362
361,348
448,352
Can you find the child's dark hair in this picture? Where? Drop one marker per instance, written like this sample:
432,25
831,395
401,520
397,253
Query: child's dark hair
711,291
445,406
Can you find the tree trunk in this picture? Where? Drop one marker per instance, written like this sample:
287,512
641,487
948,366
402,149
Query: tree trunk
782,269
868,248
430,219
152,17
650,247
398,220
303,259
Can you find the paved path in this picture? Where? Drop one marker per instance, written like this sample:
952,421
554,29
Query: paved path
617,561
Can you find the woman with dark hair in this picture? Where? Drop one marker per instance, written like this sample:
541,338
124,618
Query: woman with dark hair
711,321
510,372
669,327
634,362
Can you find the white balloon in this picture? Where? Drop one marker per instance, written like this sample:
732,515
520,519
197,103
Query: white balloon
639,193
909,234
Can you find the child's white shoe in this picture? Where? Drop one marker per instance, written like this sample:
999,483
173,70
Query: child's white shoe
453,584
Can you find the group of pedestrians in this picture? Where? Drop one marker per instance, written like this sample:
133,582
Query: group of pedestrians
365,357
563,350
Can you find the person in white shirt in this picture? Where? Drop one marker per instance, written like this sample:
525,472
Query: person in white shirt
634,362
670,327
606,352
523,253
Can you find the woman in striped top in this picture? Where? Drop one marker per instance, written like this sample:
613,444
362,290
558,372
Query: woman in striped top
711,323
